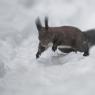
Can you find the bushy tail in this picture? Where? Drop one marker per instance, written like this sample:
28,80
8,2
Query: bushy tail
90,34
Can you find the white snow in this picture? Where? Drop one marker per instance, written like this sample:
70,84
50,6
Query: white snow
53,73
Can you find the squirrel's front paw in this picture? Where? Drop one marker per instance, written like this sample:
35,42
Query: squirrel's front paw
54,48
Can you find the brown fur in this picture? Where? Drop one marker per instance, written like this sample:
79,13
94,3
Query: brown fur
64,35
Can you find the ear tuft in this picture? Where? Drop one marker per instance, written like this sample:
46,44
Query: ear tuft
38,24
46,22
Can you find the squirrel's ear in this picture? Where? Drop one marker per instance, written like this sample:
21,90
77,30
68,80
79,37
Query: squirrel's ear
46,22
38,24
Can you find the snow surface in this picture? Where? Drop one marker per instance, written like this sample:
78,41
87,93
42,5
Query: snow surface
53,73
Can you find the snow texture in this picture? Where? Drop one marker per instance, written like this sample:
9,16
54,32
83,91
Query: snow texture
53,73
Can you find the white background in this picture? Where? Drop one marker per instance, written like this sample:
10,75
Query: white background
53,73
